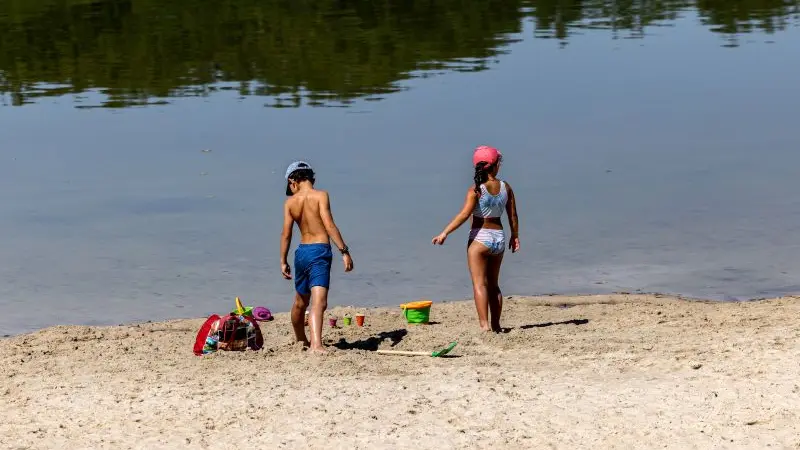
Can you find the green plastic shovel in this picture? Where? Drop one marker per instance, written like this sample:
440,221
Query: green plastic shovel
435,354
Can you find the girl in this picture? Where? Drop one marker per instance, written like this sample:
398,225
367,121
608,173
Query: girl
486,202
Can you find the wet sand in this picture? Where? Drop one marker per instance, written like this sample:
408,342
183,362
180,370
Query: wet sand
611,371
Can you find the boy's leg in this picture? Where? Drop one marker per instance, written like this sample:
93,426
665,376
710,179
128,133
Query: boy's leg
319,303
298,317
319,277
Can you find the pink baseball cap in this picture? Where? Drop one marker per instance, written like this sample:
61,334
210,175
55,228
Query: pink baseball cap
487,154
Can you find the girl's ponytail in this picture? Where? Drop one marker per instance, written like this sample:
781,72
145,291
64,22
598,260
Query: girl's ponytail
482,170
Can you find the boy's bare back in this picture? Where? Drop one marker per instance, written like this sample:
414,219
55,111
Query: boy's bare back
310,210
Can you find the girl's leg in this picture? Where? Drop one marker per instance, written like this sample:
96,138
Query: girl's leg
477,254
495,297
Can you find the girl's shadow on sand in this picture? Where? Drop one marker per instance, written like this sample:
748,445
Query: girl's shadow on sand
548,324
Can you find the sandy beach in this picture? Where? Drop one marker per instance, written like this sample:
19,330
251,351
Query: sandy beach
618,371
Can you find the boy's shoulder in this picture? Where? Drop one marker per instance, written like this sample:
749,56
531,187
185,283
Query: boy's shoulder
315,194
319,194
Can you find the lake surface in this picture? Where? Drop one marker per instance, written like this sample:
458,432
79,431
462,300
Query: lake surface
653,146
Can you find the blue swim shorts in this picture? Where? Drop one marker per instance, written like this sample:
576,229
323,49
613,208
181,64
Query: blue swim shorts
312,266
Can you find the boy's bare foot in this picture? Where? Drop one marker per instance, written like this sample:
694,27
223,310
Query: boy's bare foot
318,350
485,328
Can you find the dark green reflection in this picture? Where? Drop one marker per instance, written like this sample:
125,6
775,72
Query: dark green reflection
317,52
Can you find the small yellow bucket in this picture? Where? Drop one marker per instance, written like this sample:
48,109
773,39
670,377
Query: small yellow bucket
417,312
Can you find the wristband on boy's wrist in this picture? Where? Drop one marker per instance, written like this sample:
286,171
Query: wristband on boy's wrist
345,250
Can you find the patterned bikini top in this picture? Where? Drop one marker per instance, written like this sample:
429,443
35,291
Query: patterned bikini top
491,206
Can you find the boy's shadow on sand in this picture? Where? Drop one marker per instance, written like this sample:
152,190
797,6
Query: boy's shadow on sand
549,324
372,344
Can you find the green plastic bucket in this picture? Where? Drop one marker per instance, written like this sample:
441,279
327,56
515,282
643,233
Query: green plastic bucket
417,312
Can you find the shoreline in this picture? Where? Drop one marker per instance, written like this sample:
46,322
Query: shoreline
544,299
602,371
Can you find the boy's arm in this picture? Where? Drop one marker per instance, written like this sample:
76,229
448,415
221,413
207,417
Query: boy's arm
333,231
286,241
327,221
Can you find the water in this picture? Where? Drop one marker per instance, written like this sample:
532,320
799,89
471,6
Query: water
652,146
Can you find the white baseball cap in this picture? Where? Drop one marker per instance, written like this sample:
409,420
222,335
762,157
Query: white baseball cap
297,165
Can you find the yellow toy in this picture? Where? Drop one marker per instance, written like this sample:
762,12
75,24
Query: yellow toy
242,310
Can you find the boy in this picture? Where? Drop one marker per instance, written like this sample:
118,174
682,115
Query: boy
310,209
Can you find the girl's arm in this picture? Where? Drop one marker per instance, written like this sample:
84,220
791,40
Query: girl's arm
513,219
460,218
